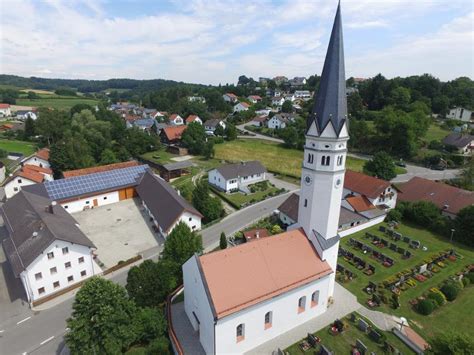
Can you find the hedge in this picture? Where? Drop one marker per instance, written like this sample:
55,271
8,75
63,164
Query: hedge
426,306
450,291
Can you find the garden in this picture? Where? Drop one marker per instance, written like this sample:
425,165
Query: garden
352,335
402,269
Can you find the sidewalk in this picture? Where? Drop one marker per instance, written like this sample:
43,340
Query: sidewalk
382,320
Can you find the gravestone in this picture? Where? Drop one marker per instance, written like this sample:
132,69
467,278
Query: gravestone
363,325
382,229
353,317
375,336
400,250
390,232
423,268
325,351
361,347
406,239
393,246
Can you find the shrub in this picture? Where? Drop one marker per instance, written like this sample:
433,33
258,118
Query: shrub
466,281
437,297
470,276
394,215
426,307
451,291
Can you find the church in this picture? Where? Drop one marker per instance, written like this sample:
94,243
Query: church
242,297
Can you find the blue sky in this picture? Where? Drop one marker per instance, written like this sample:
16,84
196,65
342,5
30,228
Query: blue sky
214,41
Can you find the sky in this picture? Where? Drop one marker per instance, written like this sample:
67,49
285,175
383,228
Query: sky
214,41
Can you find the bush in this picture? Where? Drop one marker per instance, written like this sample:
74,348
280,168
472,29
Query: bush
394,215
470,276
465,281
451,291
437,297
426,307
160,346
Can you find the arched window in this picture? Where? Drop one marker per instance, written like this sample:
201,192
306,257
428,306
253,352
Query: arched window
268,319
306,202
315,299
339,160
301,304
328,160
325,160
240,332
311,158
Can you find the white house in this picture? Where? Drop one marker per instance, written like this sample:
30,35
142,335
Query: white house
5,110
241,106
463,142
297,81
278,100
302,94
45,247
460,113
176,120
280,120
211,125
254,98
263,112
40,158
259,121
193,118
230,97
197,99
23,115
25,176
232,177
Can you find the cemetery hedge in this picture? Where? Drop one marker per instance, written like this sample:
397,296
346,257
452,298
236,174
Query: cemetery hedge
426,306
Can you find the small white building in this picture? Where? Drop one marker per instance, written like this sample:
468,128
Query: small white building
230,97
5,110
193,118
176,120
460,113
463,142
40,158
302,94
25,176
259,121
280,120
45,247
199,99
254,98
233,177
23,115
241,106
278,101
211,125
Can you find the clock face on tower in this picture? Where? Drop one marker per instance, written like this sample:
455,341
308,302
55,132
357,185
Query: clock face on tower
308,180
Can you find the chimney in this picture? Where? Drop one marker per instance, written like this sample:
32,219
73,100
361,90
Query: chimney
50,207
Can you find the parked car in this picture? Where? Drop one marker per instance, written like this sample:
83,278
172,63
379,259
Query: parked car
438,167
401,163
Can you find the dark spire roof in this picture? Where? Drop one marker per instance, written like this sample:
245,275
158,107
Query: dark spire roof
330,102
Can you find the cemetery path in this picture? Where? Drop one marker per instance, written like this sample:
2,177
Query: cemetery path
382,320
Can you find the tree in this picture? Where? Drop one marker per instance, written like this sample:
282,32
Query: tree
108,157
400,97
451,343
355,105
289,136
381,165
230,132
194,138
80,107
160,346
102,320
181,244
465,225
223,241
52,125
71,153
30,129
210,207
151,324
208,150
31,95
149,283
426,306
287,106
219,131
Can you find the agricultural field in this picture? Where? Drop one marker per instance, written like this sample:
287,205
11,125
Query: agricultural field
273,156
26,148
56,102
442,319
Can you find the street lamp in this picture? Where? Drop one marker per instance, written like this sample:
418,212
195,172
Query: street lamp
452,233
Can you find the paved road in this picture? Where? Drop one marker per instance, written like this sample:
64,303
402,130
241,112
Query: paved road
42,332
412,170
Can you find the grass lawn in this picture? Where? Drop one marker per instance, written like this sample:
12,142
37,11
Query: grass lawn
426,325
342,343
57,102
160,156
273,156
240,199
26,148
435,132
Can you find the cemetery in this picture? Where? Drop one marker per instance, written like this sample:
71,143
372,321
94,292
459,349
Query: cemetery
352,335
392,267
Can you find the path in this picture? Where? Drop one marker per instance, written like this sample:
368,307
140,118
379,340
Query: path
382,320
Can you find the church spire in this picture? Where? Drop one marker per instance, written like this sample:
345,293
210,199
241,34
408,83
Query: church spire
330,102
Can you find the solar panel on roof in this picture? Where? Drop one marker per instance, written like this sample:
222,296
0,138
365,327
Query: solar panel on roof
86,184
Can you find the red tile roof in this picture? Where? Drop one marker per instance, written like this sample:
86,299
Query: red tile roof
360,203
191,118
174,132
4,105
251,273
43,154
364,184
255,97
173,116
231,95
448,198
38,169
244,104
99,169
253,233
30,175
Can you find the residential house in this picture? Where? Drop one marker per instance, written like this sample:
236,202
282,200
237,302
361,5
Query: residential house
254,99
40,158
280,120
449,199
23,115
263,112
45,248
25,176
297,81
13,127
172,134
238,176
176,120
460,113
193,118
278,101
241,106
258,121
145,124
199,99
290,97
210,125
464,143
280,79
302,94
5,110
230,97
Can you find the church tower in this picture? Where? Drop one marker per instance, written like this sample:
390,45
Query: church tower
322,179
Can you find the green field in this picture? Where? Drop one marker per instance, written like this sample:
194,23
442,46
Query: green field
435,132
343,343
275,157
440,320
57,102
26,148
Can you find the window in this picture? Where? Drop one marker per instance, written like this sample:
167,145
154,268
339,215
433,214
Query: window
67,265
105,197
190,219
310,158
15,189
20,181
56,284
315,299
268,320
41,290
65,207
306,202
70,278
38,276
80,260
83,273
339,160
50,255
53,270
240,332
65,250
87,202
301,304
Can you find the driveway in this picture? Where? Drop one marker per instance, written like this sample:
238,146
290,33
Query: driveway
120,230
